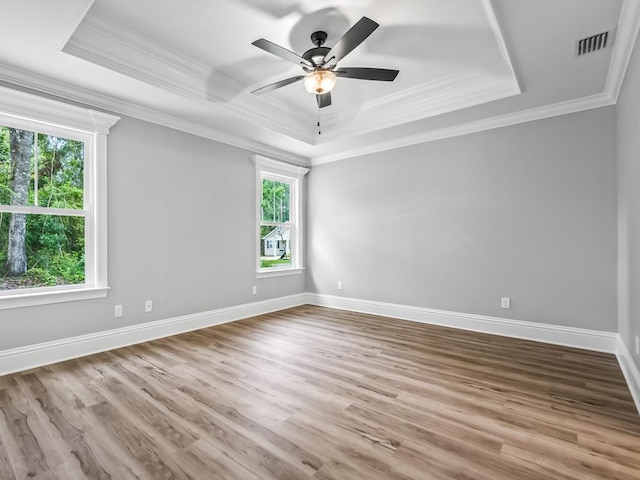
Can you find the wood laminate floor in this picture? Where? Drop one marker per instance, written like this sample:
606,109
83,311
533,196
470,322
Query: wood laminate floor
312,393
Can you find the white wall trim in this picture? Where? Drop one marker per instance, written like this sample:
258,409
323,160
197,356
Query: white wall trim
44,115
608,342
626,34
278,166
30,297
44,85
540,332
489,123
33,356
450,94
24,358
108,43
629,370
104,41
75,19
38,109
267,168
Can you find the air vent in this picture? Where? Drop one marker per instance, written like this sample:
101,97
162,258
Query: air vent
594,43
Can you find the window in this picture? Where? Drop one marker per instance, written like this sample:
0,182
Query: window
52,201
279,207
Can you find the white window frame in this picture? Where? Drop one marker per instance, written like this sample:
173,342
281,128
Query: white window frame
46,116
294,175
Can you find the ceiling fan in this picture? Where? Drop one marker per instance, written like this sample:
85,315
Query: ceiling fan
319,63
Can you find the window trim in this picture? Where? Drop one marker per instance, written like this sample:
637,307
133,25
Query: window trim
275,169
43,115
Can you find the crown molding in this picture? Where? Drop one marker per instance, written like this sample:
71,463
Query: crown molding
108,43
523,116
47,111
495,19
626,35
75,19
285,168
444,95
62,90
449,94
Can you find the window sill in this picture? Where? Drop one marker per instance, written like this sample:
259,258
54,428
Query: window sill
280,272
47,296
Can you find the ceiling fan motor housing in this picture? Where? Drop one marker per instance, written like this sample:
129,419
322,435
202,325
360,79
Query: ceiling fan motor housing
318,38
316,56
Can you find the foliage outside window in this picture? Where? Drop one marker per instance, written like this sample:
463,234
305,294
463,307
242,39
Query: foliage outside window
275,224
44,245
52,201
278,192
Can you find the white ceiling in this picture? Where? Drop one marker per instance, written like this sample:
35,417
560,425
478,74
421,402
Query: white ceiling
465,65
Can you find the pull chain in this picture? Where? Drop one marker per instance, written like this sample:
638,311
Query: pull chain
319,129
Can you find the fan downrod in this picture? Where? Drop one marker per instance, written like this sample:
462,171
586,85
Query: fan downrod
318,38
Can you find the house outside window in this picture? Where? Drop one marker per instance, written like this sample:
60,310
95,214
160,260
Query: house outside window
52,201
279,217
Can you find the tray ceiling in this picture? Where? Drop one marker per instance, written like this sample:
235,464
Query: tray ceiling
191,65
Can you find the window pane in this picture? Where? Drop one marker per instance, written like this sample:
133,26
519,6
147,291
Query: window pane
16,157
58,172
275,201
40,250
275,246
41,170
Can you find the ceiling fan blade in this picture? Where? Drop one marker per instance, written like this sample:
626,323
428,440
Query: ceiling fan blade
324,100
350,40
379,74
281,52
274,86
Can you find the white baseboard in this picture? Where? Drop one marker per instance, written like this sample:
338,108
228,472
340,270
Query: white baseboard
596,340
32,356
24,358
539,332
630,371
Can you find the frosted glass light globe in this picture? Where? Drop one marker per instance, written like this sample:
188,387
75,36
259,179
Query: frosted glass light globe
320,81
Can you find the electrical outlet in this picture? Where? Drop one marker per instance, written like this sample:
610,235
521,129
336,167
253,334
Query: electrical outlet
339,285
505,302
148,306
254,289
118,310
637,345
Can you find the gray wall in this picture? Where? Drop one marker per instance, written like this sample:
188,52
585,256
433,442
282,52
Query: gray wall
628,110
181,233
527,212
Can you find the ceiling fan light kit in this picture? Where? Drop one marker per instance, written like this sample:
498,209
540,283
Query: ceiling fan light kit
319,63
320,82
